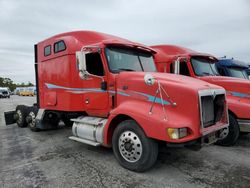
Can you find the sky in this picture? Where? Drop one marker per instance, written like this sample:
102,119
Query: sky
218,27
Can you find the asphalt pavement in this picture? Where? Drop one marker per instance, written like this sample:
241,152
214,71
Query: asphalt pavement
50,159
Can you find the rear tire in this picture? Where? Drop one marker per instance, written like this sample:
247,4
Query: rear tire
22,112
132,148
233,133
32,116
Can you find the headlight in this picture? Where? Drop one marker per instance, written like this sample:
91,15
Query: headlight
177,133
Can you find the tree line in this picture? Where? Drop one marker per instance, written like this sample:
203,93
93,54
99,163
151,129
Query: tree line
7,82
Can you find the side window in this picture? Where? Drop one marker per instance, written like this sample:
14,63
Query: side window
94,64
221,71
184,69
47,50
59,46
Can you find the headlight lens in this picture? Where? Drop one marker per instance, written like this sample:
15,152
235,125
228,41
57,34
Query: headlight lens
177,133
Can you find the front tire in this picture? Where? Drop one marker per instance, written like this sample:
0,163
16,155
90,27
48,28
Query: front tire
233,133
132,148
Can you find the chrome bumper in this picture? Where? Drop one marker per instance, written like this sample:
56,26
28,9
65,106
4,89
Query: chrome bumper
244,125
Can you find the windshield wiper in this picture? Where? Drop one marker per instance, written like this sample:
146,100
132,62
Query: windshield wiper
206,73
122,69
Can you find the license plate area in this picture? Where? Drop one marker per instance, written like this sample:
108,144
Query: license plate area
210,138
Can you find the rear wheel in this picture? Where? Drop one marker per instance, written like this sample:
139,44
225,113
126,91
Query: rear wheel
31,119
21,114
132,148
233,132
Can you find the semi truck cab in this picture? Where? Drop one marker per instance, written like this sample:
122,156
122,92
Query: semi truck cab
183,61
109,89
232,68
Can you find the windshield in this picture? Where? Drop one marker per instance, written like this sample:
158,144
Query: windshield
204,66
124,59
237,72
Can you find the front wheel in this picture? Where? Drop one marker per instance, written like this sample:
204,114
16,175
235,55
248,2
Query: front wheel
132,148
232,133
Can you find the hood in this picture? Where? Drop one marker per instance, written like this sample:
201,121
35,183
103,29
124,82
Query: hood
230,84
168,80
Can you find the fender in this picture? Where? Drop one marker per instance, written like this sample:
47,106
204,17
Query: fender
154,125
240,108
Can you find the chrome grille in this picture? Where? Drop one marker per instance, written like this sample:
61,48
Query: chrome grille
212,106
207,105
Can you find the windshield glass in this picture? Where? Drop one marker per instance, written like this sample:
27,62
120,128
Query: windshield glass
124,59
237,72
204,67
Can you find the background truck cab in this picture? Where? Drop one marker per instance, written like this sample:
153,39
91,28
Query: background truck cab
179,60
248,71
232,68
110,89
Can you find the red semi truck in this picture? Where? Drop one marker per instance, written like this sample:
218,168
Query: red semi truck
109,88
183,61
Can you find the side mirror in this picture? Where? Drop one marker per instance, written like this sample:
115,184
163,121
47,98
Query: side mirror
176,64
81,64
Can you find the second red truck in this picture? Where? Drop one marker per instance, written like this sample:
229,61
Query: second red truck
183,61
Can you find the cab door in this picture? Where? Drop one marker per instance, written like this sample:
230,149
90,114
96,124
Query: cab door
96,96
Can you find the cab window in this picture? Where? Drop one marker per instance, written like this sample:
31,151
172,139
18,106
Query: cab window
47,50
94,64
59,46
184,69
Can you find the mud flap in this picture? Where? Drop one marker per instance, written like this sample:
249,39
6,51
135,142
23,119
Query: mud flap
9,117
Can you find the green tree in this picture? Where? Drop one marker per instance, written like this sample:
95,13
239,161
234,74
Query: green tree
7,82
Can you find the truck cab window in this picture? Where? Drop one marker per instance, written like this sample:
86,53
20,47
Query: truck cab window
237,72
94,64
184,69
129,59
221,71
147,63
59,46
203,66
47,50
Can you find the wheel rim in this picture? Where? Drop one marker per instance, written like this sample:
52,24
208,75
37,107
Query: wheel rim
33,119
130,146
20,117
224,133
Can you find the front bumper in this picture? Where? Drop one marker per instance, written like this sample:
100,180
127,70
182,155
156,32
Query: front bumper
197,144
244,125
